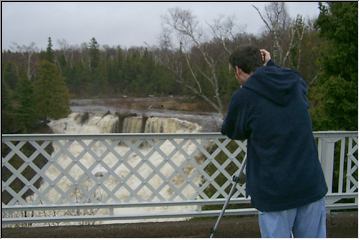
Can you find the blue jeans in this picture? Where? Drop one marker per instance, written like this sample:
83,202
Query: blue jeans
308,221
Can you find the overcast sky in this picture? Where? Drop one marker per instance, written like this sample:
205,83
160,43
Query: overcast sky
124,24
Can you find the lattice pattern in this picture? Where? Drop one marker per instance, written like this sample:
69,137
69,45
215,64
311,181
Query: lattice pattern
121,170
352,166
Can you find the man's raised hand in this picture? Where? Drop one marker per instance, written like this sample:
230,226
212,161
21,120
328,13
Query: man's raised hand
265,56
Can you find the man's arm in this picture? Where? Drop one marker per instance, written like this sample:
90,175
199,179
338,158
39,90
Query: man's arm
271,63
235,122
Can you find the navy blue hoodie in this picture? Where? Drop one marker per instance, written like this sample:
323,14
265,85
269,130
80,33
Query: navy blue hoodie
271,111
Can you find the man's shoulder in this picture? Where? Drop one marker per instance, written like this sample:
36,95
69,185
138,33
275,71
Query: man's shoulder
241,94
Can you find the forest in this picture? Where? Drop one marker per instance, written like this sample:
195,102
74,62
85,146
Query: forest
38,85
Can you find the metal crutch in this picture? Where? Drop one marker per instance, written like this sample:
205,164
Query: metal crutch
231,193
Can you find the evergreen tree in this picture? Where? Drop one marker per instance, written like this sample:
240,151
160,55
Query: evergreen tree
336,91
7,110
94,54
51,93
49,51
98,68
25,112
10,75
9,81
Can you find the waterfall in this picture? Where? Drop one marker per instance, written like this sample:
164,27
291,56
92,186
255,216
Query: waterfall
80,123
77,123
106,124
132,125
170,125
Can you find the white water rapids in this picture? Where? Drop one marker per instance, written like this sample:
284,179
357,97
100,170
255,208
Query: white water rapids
81,123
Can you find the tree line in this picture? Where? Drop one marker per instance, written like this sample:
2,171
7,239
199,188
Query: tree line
190,60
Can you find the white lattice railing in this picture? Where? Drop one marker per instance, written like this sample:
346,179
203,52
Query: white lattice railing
87,179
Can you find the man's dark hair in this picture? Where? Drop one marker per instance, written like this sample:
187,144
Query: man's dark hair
248,58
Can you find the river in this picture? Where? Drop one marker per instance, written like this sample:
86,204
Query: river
99,116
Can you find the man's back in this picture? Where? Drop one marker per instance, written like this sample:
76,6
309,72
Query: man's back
283,170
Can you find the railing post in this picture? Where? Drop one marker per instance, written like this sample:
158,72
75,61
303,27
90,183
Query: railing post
326,155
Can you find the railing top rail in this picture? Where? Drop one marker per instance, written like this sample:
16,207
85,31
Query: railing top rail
110,135
335,133
151,135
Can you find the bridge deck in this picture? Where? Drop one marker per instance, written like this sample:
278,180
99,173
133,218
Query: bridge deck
340,225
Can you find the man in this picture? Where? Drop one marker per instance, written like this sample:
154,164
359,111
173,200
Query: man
283,173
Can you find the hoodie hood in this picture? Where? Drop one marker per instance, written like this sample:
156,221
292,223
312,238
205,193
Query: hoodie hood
274,83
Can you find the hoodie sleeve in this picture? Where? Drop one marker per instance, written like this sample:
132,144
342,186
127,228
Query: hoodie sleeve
271,63
235,122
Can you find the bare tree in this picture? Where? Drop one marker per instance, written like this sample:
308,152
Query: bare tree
27,51
182,36
84,55
293,53
67,50
282,28
225,30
